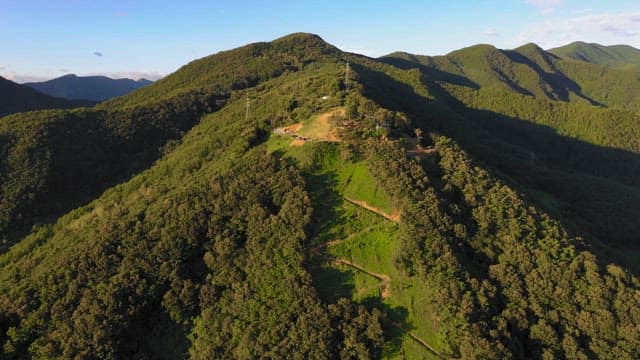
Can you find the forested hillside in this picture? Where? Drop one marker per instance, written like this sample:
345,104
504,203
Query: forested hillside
530,118
273,201
44,174
618,56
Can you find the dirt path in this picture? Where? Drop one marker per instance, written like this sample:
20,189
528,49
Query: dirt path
421,150
385,280
331,243
395,217
427,346
381,277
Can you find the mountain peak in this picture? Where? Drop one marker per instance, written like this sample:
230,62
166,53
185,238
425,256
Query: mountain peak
529,47
300,36
301,39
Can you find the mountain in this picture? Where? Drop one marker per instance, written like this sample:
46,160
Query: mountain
16,98
616,56
94,88
273,201
123,136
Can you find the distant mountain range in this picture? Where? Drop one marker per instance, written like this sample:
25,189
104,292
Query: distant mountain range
17,98
616,56
95,88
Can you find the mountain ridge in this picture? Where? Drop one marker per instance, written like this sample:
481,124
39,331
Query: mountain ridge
15,98
616,56
93,88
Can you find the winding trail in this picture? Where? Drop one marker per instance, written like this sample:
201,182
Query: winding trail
426,345
385,280
395,217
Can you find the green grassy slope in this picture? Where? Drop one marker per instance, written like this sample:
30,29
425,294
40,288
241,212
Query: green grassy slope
344,231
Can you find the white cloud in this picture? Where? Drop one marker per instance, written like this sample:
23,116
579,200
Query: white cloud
604,28
581,12
135,75
545,7
490,32
360,49
20,78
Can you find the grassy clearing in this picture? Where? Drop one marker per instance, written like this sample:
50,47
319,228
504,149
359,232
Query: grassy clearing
350,179
373,249
282,144
364,238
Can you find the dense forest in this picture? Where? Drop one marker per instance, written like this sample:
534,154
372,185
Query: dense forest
618,56
290,200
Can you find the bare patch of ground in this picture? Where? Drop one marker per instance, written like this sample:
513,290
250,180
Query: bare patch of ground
294,128
320,128
327,130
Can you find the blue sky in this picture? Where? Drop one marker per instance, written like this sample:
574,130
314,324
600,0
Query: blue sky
42,39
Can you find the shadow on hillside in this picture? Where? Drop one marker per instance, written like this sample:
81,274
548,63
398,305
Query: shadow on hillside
561,85
594,191
394,322
435,74
331,284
